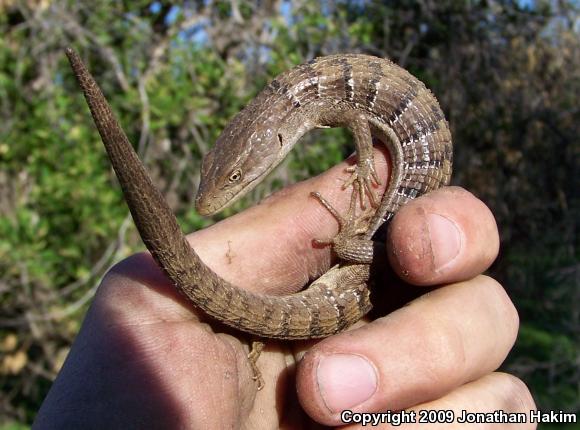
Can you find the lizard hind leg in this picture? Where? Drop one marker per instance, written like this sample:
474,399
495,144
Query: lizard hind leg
348,244
363,174
255,351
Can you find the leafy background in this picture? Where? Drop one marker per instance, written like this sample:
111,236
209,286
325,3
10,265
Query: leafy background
507,74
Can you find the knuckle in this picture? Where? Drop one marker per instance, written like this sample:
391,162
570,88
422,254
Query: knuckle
443,347
450,347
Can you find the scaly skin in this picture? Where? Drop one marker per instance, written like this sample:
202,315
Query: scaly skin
370,96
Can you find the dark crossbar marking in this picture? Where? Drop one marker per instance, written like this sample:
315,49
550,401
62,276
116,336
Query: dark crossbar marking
405,102
374,80
347,77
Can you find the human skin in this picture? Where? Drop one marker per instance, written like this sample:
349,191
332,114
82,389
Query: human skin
146,358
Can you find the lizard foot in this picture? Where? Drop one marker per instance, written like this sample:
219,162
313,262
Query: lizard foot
255,351
362,178
347,244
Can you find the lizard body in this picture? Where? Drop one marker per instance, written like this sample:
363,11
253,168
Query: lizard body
368,95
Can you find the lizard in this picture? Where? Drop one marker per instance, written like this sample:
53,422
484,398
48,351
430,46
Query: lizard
373,98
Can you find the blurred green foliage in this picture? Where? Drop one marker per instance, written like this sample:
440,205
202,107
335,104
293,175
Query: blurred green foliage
507,74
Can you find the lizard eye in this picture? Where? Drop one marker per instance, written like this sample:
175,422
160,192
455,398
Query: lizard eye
235,176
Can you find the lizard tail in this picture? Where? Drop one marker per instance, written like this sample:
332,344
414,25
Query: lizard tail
153,217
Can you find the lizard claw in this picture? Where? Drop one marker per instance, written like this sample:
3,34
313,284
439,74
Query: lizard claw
362,179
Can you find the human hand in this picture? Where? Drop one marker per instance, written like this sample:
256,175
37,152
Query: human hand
146,358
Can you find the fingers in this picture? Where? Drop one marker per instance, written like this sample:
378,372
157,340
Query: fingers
447,235
496,397
421,352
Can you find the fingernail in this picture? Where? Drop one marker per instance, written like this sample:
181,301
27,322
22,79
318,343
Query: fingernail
445,240
345,380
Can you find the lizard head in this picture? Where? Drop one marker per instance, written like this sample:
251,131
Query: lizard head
241,157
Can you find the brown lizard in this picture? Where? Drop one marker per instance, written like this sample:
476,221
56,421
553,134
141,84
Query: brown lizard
372,97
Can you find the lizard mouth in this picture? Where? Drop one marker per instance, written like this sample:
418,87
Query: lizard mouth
210,204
